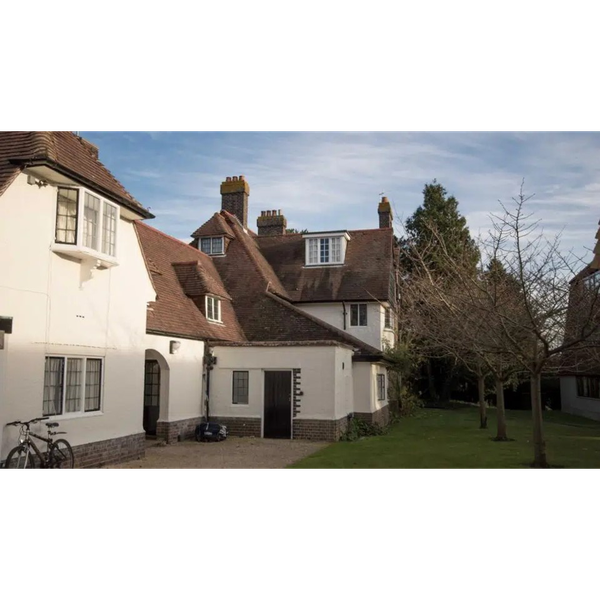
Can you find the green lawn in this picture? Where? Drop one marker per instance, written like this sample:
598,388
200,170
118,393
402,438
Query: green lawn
452,439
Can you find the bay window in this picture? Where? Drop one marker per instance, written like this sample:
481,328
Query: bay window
87,222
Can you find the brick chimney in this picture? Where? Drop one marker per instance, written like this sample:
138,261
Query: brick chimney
234,197
271,222
385,214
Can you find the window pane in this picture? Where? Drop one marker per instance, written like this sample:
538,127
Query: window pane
324,256
109,229
53,386
205,245
240,387
73,385
380,387
313,251
66,216
354,315
336,250
217,245
93,377
91,220
363,315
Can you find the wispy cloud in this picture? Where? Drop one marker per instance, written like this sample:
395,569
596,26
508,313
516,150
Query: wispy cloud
332,180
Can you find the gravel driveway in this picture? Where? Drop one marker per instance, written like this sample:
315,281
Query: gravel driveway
233,453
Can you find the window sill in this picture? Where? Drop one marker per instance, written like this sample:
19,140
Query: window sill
320,265
72,416
85,254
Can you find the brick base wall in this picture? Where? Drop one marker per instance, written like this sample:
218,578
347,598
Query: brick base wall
380,417
319,429
98,454
240,426
176,431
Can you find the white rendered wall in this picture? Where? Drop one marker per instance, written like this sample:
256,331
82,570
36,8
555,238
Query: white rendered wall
323,382
59,310
182,386
365,387
374,333
573,404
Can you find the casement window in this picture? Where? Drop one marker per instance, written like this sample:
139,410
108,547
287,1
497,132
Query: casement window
72,385
358,315
213,309
588,387
240,387
389,319
86,221
592,281
212,245
324,250
67,209
380,387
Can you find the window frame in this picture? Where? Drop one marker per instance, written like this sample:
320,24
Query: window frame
388,317
216,302
586,385
82,412
328,245
381,387
78,246
358,314
211,240
233,388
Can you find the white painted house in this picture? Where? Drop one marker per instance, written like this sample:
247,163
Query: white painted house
119,331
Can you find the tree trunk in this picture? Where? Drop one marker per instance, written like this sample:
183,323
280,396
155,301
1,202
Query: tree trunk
539,444
500,413
482,402
433,396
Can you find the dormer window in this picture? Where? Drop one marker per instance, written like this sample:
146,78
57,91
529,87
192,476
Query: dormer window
212,245
213,309
326,249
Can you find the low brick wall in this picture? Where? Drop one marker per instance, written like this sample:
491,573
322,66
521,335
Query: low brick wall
98,454
319,429
380,417
176,431
240,426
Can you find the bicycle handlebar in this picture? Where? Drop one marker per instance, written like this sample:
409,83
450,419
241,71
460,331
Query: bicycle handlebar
15,423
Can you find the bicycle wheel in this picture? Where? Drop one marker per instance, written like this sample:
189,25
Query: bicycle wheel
20,458
61,455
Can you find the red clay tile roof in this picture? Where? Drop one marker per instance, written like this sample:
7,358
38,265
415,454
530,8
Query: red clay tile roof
260,301
65,152
172,263
216,225
365,274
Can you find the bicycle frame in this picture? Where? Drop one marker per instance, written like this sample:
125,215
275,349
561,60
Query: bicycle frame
29,444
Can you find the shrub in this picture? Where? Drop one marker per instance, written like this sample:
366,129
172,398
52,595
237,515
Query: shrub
357,429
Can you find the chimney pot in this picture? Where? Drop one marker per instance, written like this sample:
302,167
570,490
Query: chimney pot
241,178
235,178
227,178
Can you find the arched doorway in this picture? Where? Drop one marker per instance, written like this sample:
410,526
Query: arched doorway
156,389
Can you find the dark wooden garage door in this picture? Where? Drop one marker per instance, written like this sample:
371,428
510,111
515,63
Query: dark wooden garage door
278,404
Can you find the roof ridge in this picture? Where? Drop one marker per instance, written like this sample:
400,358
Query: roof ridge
142,224
349,338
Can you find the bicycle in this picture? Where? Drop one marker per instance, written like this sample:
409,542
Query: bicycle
58,455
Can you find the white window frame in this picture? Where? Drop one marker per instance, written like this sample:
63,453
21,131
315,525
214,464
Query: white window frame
212,241
336,249
388,314
81,412
216,304
79,249
359,304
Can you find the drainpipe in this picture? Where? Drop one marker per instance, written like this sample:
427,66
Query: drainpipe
345,312
208,367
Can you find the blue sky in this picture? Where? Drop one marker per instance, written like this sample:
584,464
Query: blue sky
326,181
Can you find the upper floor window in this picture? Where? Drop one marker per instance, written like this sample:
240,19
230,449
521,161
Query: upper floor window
213,309
326,250
212,245
592,281
389,318
358,315
86,220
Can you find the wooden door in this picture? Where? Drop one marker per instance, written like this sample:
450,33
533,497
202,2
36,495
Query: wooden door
151,396
278,404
